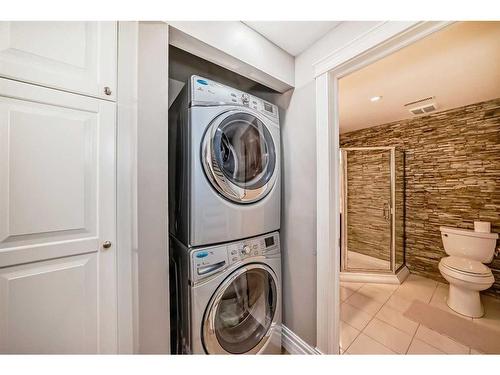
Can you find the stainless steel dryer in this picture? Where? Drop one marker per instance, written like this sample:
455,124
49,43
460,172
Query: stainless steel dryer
226,299
224,164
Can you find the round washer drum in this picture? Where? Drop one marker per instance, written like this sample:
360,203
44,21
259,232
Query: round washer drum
241,314
239,156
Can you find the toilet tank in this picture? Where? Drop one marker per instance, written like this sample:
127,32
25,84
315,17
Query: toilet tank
469,244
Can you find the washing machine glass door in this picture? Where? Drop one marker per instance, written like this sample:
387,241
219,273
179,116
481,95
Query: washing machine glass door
239,156
241,314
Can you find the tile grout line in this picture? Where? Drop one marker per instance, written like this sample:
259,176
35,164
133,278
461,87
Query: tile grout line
373,317
431,345
413,338
433,293
428,301
389,324
360,331
418,326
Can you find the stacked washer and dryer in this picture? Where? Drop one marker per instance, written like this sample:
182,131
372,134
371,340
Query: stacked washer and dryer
224,201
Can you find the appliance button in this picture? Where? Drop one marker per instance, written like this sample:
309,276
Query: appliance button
201,254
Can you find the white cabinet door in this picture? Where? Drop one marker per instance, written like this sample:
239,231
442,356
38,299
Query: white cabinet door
72,56
50,307
57,208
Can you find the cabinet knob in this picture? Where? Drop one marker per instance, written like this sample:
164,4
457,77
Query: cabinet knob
107,90
106,244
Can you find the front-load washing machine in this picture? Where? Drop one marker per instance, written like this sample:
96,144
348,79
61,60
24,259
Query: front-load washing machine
226,299
224,164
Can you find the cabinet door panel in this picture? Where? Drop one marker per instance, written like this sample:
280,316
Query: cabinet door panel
72,56
50,307
57,200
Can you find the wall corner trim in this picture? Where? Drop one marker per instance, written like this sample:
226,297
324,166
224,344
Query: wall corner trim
294,344
392,35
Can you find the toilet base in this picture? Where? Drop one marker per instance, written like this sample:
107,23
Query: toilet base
465,301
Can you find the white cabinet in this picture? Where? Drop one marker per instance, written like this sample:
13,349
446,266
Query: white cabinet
72,56
50,307
57,209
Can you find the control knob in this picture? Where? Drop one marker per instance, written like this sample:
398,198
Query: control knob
245,99
246,250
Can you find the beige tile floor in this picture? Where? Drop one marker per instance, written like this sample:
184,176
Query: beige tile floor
372,320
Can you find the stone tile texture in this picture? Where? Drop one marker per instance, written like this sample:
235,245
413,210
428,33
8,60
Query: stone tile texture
451,176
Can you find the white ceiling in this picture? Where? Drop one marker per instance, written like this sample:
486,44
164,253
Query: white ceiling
292,36
459,65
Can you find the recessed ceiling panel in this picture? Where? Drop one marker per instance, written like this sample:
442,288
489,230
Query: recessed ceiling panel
292,36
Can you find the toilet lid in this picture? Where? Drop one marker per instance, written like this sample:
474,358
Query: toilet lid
466,266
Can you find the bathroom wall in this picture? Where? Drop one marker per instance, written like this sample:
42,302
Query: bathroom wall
452,176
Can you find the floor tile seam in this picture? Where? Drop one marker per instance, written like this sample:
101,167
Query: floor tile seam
367,324
357,335
435,347
406,333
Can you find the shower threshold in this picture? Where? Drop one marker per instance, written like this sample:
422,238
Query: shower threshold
376,277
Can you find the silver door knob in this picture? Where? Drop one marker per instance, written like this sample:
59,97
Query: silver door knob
107,90
106,244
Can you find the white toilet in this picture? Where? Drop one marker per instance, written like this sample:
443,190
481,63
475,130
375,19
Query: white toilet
464,268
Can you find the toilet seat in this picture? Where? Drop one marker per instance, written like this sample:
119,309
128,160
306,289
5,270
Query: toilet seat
465,269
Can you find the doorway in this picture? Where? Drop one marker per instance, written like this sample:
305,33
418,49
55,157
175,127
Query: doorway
379,42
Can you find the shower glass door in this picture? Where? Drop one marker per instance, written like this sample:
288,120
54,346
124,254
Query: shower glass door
367,209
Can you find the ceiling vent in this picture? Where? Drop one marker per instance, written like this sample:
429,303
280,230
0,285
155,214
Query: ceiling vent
423,109
421,106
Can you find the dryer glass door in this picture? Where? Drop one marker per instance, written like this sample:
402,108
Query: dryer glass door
240,317
240,156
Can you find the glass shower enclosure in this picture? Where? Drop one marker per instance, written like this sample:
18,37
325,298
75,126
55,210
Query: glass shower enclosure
372,215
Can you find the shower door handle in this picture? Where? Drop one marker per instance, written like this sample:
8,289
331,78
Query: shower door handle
387,212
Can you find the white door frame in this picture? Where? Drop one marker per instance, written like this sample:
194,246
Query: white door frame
382,40
142,212
127,187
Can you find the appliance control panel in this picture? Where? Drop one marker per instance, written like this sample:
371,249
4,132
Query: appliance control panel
207,92
253,247
208,261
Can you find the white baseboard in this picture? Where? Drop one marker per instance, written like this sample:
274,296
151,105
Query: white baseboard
294,344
